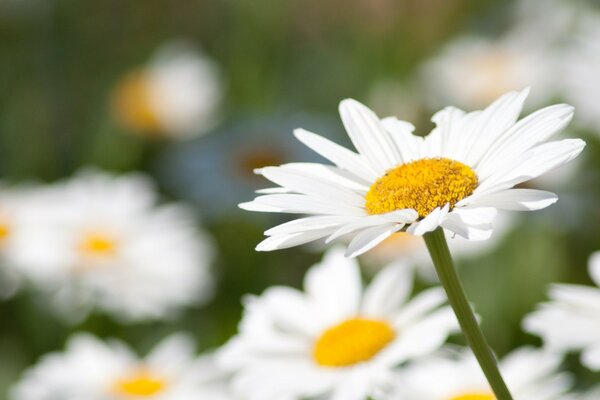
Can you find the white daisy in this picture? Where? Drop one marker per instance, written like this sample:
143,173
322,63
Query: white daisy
102,241
473,71
581,81
91,369
531,374
456,177
334,340
175,95
571,320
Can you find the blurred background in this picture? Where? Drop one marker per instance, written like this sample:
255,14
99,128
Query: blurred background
196,94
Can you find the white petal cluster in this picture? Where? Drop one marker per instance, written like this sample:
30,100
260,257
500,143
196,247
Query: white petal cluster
500,149
570,321
272,357
530,374
91,369
101,241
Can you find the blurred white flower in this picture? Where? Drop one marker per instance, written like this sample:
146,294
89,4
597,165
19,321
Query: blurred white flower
334,340
571,320
471,72
531,374
580,78
90,369
101,241
17,213
175,95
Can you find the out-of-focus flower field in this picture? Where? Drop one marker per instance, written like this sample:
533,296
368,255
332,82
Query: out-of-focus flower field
131,130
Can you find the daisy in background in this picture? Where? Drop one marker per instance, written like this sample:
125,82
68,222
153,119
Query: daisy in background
581,63
188,168
102,242
472,71
530,373
176,95
571,320
334,340
456,177
93,369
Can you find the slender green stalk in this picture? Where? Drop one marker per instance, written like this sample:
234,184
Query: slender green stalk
438,249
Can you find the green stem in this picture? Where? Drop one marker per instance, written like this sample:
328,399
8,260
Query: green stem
438,249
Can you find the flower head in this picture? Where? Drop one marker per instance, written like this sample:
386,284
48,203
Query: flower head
95,370
103,242
456,177
335,339
175,95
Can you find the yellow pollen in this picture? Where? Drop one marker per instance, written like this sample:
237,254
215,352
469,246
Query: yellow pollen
98,245
141,383
474,396
422,185
351,342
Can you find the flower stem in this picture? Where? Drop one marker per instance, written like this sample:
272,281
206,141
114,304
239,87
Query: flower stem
438,249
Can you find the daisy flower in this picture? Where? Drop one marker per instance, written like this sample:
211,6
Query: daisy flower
473,71
334,340
102,241
92,369
456,177
188,168
571,320
531,374
581,63
175,95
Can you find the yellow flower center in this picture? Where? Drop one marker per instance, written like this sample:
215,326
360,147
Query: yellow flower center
474,396
132,106
422,185
95,244
141,383
4,231
351,342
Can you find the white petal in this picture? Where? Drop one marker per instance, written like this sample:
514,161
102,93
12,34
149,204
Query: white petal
300,204
421,304
493,122
370,238
312,185
388,291
591,358
409,145
594,267
332,174
335,285
422,338
532,164
307,224
369,136
173,352
340,156
517,199
528,132
400,217
278,242
430,222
